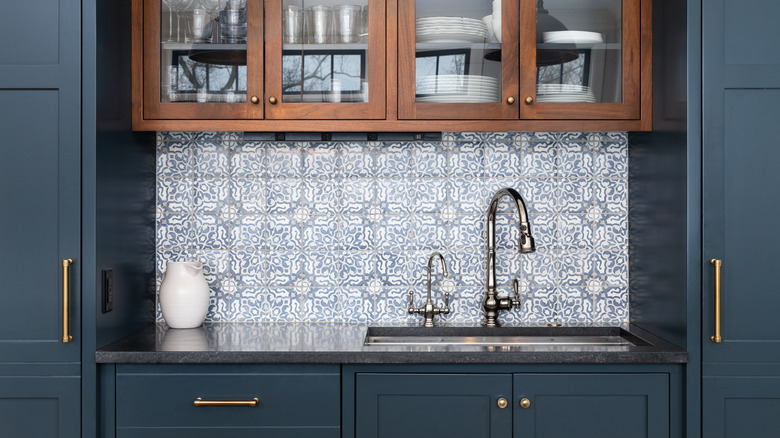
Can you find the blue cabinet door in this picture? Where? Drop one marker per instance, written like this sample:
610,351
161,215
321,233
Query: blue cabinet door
738,407
741,158
40,178
591,405
432,405
40,407
40,142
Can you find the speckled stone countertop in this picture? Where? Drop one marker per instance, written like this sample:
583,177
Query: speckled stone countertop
226,343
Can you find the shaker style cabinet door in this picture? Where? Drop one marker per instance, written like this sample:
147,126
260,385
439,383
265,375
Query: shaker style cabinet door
433,405
741,92
591,405
40,185
40,178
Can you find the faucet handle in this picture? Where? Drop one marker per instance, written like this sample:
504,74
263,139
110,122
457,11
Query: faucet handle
446,309
412,310
516,300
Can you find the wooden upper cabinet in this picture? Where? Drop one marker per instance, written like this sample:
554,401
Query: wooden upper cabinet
190,71
451,64
314,74
392,65
583,60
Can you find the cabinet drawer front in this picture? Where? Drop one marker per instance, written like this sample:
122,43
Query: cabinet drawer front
157,396
268,432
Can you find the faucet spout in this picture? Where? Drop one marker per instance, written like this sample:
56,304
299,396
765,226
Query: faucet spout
492,304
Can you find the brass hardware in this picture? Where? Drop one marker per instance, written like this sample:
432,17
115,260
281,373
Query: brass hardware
66,337
510,100
502,403
272,100
200,402
525,403
529,100
716,338
254,99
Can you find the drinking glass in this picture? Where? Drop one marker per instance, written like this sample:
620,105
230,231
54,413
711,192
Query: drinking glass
346,23
178,7
318,24
167,3
213,7
292,20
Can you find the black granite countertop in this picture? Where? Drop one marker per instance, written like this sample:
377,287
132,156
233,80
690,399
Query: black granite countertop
344,343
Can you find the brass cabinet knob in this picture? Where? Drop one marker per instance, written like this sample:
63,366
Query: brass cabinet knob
510,100
525,403
502,403
272,100
529,100
254,99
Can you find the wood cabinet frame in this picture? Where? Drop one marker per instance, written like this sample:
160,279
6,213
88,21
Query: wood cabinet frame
632,60
408,108
395,107
154,108
373,109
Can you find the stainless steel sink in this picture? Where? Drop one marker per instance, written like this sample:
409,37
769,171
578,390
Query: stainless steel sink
501,336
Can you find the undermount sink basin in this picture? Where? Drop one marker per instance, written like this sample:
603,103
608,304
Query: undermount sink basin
501,336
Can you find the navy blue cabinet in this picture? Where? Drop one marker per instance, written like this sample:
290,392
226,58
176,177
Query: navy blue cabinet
287,401
429,405
741,102
40,225
591,405
598,405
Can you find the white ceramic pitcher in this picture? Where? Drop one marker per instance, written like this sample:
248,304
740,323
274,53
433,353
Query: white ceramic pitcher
184,295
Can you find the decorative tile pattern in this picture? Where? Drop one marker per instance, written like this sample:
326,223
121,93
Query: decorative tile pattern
339,232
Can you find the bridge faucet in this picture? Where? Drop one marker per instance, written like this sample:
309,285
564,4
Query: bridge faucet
429,309
492,303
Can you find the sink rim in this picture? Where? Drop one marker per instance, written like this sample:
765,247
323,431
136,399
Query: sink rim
377,336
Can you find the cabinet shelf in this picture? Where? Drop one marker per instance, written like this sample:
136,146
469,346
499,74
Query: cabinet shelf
422,47
324,47
201,46
571,46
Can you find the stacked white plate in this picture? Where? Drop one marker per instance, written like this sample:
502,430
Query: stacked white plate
451,30
458,88
562,93
572,37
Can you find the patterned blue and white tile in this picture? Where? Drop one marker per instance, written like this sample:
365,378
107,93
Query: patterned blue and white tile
248,160
394,232
356,233
248,195
284,268
357,195
393,196
429,195
284,195
283,233
467,160
320,160
357,161
174,195
429,160
283,160
393,160
248,268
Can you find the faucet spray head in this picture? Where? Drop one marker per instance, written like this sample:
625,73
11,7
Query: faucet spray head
526,242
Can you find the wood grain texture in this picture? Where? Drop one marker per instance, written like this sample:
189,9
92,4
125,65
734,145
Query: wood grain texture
373,109
632,70
392,105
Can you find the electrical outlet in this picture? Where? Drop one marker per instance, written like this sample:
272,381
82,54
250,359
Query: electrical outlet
108,290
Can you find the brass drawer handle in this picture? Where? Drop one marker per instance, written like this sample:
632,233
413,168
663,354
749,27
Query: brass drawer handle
525,403
200,402
502,403
66,337
717,338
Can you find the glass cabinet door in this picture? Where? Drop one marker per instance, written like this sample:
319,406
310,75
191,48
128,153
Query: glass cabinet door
580,59
325,59
458,59
210,54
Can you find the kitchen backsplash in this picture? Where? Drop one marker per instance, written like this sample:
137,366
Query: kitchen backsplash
342,231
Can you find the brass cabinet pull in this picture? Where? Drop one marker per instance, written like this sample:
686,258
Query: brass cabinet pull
502,403
525,403
273,100
66,337
716,338
510,100
529,100
200,402
254,99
